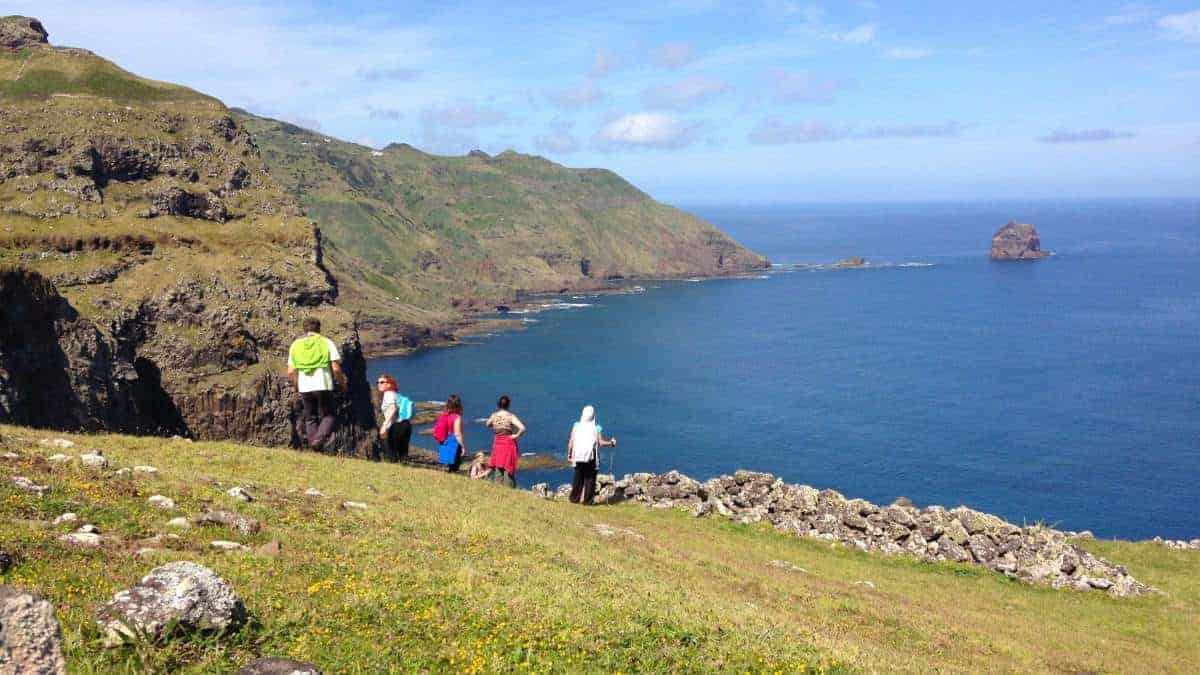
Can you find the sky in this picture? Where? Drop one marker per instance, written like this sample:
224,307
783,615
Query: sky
708,101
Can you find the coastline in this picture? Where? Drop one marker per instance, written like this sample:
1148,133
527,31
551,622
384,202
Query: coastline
408,339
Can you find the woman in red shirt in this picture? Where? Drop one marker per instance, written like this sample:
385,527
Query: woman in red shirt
447,431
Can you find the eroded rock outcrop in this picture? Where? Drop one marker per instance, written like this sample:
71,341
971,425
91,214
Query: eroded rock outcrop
20,32
1017,241
1034,554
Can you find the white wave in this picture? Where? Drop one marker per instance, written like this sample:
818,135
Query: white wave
695,281
480,420
566,305
528,320
916,264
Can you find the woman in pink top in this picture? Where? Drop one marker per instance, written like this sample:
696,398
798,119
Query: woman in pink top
447,431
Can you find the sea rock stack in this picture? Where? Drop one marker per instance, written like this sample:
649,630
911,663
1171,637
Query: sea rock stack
1017,241
19,32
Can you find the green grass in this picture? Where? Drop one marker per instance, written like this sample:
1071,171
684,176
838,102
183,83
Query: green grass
445,574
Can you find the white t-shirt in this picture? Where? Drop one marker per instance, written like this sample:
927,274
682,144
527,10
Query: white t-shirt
320,379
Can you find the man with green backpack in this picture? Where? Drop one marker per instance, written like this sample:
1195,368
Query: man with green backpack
313,365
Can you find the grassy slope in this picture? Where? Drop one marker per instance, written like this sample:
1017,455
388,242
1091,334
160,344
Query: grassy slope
416,235
444,574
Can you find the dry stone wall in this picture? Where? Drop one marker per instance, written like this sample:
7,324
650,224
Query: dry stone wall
1036,554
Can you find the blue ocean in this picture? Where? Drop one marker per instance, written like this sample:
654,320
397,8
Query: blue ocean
1064,391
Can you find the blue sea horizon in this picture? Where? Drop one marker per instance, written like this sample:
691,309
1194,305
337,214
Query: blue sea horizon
1065,390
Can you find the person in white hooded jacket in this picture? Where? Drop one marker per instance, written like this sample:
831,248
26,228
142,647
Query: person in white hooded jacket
583,450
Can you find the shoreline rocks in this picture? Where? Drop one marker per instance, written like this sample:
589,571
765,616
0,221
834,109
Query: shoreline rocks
1017,241
1033,554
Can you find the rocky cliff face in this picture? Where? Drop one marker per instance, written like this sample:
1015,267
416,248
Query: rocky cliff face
1017,241
421,240
154,272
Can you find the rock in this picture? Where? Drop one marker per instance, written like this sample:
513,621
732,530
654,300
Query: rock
240,493
30,637
89,529
10,456
354,505
542,490
27,485
274,666
6,562
57,443
785,565
59,459
955,532
176,597
145,469
161,502
852,262
228,546
239,523
121,473
21,32
179,523
175,201
82,539
1086,534
313,492
67,517
1017,241
563,491
94,460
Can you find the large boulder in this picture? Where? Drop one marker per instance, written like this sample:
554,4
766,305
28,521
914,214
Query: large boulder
19,32
30,639
1017,241
180,596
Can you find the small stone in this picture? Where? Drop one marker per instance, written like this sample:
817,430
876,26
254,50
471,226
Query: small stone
313,492
274,666
228,545
180,596
123,472
67,517
30,637
180,523
10,456
57,443
145,469
1086,534
59,458
27,485
147,551
785,565
239,523
94,460
81,539
161,502
240,493
868,584
354,505
1100,583
89,528
542,490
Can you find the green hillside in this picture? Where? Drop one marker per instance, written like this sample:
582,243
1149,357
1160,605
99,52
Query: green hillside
440,573
417,238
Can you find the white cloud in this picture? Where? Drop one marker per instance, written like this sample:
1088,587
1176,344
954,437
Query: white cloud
946,130
461,115
684,94
861,35
907,53
580,96
604,63
377,74
673,54
777,132
647,130
1182,26
804,87
1084,136
1135,12
558,141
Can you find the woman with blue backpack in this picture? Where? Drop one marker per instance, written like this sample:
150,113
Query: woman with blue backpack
447,431
397,409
